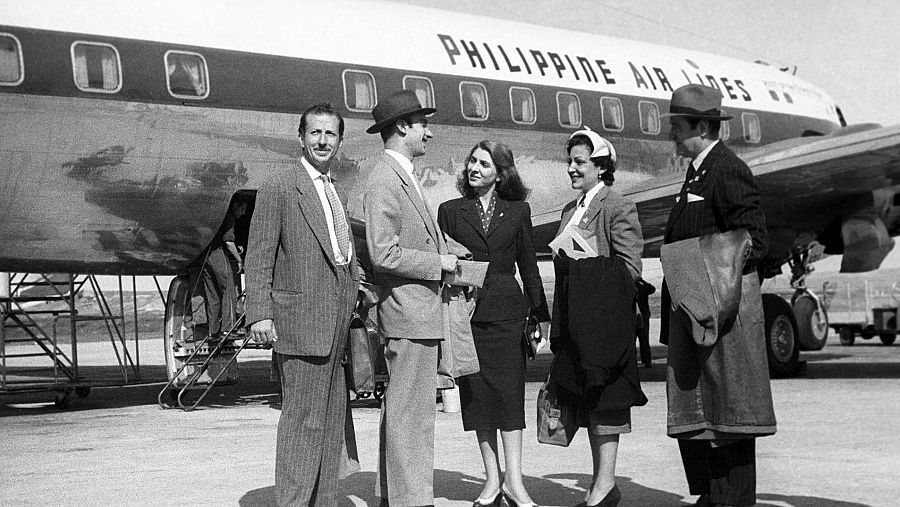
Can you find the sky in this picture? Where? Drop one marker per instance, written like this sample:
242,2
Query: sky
849,48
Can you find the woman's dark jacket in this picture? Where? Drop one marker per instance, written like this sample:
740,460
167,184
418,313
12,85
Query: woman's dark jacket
507,243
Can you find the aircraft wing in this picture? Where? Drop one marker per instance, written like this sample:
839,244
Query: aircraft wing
825,188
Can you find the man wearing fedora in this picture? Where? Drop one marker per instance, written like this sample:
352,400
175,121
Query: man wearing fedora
719,397
409,255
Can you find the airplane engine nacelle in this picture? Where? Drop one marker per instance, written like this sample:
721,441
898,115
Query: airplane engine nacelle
865,236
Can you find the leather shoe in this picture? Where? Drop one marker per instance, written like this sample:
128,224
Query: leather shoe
612,498
515,503
489,501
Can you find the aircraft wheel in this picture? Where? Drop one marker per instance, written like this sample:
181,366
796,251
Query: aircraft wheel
781,336
178,304
888,338
812,323
847,335
83,391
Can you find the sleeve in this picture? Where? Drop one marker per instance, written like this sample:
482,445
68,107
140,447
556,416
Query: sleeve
445,221
526,259
626,239
384,221
737,203
262,248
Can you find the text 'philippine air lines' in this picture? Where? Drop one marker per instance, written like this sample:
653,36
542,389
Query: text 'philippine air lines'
593,70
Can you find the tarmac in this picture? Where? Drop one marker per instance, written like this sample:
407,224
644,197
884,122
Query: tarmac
836,445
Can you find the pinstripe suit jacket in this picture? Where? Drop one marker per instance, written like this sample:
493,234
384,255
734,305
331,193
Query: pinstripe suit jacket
291,275
405,245
613,225
730,201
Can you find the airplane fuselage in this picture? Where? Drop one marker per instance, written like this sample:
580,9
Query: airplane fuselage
107,166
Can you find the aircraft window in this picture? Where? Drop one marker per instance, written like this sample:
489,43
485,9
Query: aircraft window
752,132
522,105
187,75
725,130
649,112
569,109
423,89
359,91
473,100
11,67
96,67
613,115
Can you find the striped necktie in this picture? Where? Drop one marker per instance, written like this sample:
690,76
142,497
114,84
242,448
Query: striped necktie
341,229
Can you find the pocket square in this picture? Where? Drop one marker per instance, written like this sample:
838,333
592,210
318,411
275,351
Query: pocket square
694,197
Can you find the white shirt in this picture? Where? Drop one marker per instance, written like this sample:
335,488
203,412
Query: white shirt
326,207
581,209
702,155
407,166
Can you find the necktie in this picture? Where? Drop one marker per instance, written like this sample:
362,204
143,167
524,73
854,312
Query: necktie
341,230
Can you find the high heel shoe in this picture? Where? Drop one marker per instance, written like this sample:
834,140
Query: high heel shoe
611,499
489,502
515,503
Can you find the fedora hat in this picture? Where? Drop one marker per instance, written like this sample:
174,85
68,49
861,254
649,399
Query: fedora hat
391,109
697,101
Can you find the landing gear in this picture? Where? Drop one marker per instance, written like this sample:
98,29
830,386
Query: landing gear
812,320
888,338
781,336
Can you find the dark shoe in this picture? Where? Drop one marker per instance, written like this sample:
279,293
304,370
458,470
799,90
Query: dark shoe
515,503
702,501
611,499
489,502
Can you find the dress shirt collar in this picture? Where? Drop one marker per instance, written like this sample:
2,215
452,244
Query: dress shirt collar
404,162
589,196
314,173
702,155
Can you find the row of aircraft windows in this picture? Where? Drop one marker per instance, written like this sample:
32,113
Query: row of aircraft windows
96,67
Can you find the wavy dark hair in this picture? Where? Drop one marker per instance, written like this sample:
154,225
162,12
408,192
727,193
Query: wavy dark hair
605,164
509,183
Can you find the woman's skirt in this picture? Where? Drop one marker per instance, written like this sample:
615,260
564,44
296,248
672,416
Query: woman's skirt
494,398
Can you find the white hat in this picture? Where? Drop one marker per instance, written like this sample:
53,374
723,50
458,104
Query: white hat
602,147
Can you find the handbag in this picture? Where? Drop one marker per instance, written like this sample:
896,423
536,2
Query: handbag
528,343
364,357
457,356
556,423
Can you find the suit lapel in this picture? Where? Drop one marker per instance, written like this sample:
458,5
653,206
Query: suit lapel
501,214
594,208
470,214
568,211
414,196
311,209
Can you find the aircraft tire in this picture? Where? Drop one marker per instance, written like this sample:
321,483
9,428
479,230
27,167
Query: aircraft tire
812,323
847,336
781,336
177,303
888,338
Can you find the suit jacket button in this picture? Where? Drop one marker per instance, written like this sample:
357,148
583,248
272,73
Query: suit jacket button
427,241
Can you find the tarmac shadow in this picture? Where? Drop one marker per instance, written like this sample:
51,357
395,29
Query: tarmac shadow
803,501
359,490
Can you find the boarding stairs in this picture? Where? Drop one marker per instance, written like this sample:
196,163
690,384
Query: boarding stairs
36,311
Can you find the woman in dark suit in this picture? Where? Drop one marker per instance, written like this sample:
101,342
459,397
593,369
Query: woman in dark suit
592,334
493,221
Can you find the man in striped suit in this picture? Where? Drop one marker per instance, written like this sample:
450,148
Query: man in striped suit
719,398
302,283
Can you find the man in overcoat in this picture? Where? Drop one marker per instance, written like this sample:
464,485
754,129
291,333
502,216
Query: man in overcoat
409,256
302,282
719,398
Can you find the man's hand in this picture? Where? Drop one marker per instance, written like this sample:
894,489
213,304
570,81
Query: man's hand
263,331
448,263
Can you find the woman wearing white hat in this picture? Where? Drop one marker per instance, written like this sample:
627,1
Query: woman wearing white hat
597,262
